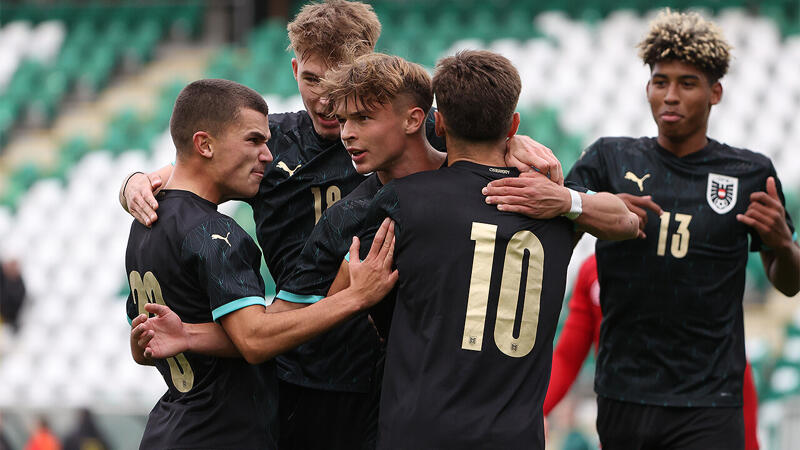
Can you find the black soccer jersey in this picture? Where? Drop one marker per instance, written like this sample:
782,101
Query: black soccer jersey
308,175
480,290
202,265
324,362
672,331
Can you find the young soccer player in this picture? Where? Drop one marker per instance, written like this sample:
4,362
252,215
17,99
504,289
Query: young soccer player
479,294
679,291
205,267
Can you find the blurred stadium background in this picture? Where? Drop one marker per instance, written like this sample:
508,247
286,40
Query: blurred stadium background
86,91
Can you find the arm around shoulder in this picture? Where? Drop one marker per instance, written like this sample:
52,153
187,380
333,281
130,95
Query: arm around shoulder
137,193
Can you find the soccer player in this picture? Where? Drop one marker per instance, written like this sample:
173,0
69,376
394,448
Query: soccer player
582,331
205,267
479,293
310,172
671,354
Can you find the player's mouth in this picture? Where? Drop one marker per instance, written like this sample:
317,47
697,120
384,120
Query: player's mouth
259,172
327,122
671,116
356,154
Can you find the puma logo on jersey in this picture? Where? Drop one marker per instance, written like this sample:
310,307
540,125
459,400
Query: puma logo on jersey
639,181
216,236
282,165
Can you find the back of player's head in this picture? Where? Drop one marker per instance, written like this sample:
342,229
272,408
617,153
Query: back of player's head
477,92
687,38
210,105
376,78
334,30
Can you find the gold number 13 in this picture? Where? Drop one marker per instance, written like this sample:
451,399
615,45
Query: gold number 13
485,236
147,290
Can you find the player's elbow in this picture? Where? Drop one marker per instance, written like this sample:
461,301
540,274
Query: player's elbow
252,352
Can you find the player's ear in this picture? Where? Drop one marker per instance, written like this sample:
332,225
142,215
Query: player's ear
294,68
514,125
415,119
439,124
201,143
716,93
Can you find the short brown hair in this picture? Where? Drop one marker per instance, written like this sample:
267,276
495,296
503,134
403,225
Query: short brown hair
334,30
477,92
375,79
688,38
210,105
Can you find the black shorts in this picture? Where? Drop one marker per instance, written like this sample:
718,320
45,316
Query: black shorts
629,426
312,419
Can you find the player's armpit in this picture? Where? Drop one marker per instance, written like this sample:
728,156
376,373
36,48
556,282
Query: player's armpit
137,194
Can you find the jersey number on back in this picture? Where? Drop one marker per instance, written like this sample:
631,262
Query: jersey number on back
332,195
147,290
485,236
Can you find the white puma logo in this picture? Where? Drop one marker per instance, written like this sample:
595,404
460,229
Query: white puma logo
282,165
216,236
639,181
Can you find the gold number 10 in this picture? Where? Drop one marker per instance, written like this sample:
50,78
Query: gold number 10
485,236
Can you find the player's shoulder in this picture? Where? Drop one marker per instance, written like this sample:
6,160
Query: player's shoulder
616,145
217,230
744,155
284,122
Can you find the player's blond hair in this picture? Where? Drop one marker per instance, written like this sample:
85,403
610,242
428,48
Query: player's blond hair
334,30
688,38
375,79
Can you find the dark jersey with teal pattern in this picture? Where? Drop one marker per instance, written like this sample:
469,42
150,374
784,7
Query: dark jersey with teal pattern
325,362
308,174
672,331
469,352
202,265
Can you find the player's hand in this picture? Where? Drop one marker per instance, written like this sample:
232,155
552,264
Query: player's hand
140,334
164,334
373,277
532,194
766,215
528,155
142,204
638,205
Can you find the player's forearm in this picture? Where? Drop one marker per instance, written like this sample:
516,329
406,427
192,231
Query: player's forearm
783,268
164,173
606,217
210,339
268,335
138,354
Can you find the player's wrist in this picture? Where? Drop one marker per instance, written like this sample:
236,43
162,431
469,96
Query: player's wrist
574,206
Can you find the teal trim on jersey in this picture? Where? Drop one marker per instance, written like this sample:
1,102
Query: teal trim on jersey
347,257
590,192
295,298
130,321
230,307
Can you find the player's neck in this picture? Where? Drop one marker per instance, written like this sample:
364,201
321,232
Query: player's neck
418,156
681,147
187,178
485,153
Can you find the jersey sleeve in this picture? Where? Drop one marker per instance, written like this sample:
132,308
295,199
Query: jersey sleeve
590,170
576,337
755,240
385,204
227,262
321,257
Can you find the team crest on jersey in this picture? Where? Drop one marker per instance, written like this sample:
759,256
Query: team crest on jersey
721,192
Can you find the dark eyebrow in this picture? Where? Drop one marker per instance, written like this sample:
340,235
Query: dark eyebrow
681,77
307,73
256,134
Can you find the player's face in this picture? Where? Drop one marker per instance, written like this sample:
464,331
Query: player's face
242,155
680,99
374,137
308,71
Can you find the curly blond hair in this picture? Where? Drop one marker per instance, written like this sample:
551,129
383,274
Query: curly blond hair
374,79
335,30
688,38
